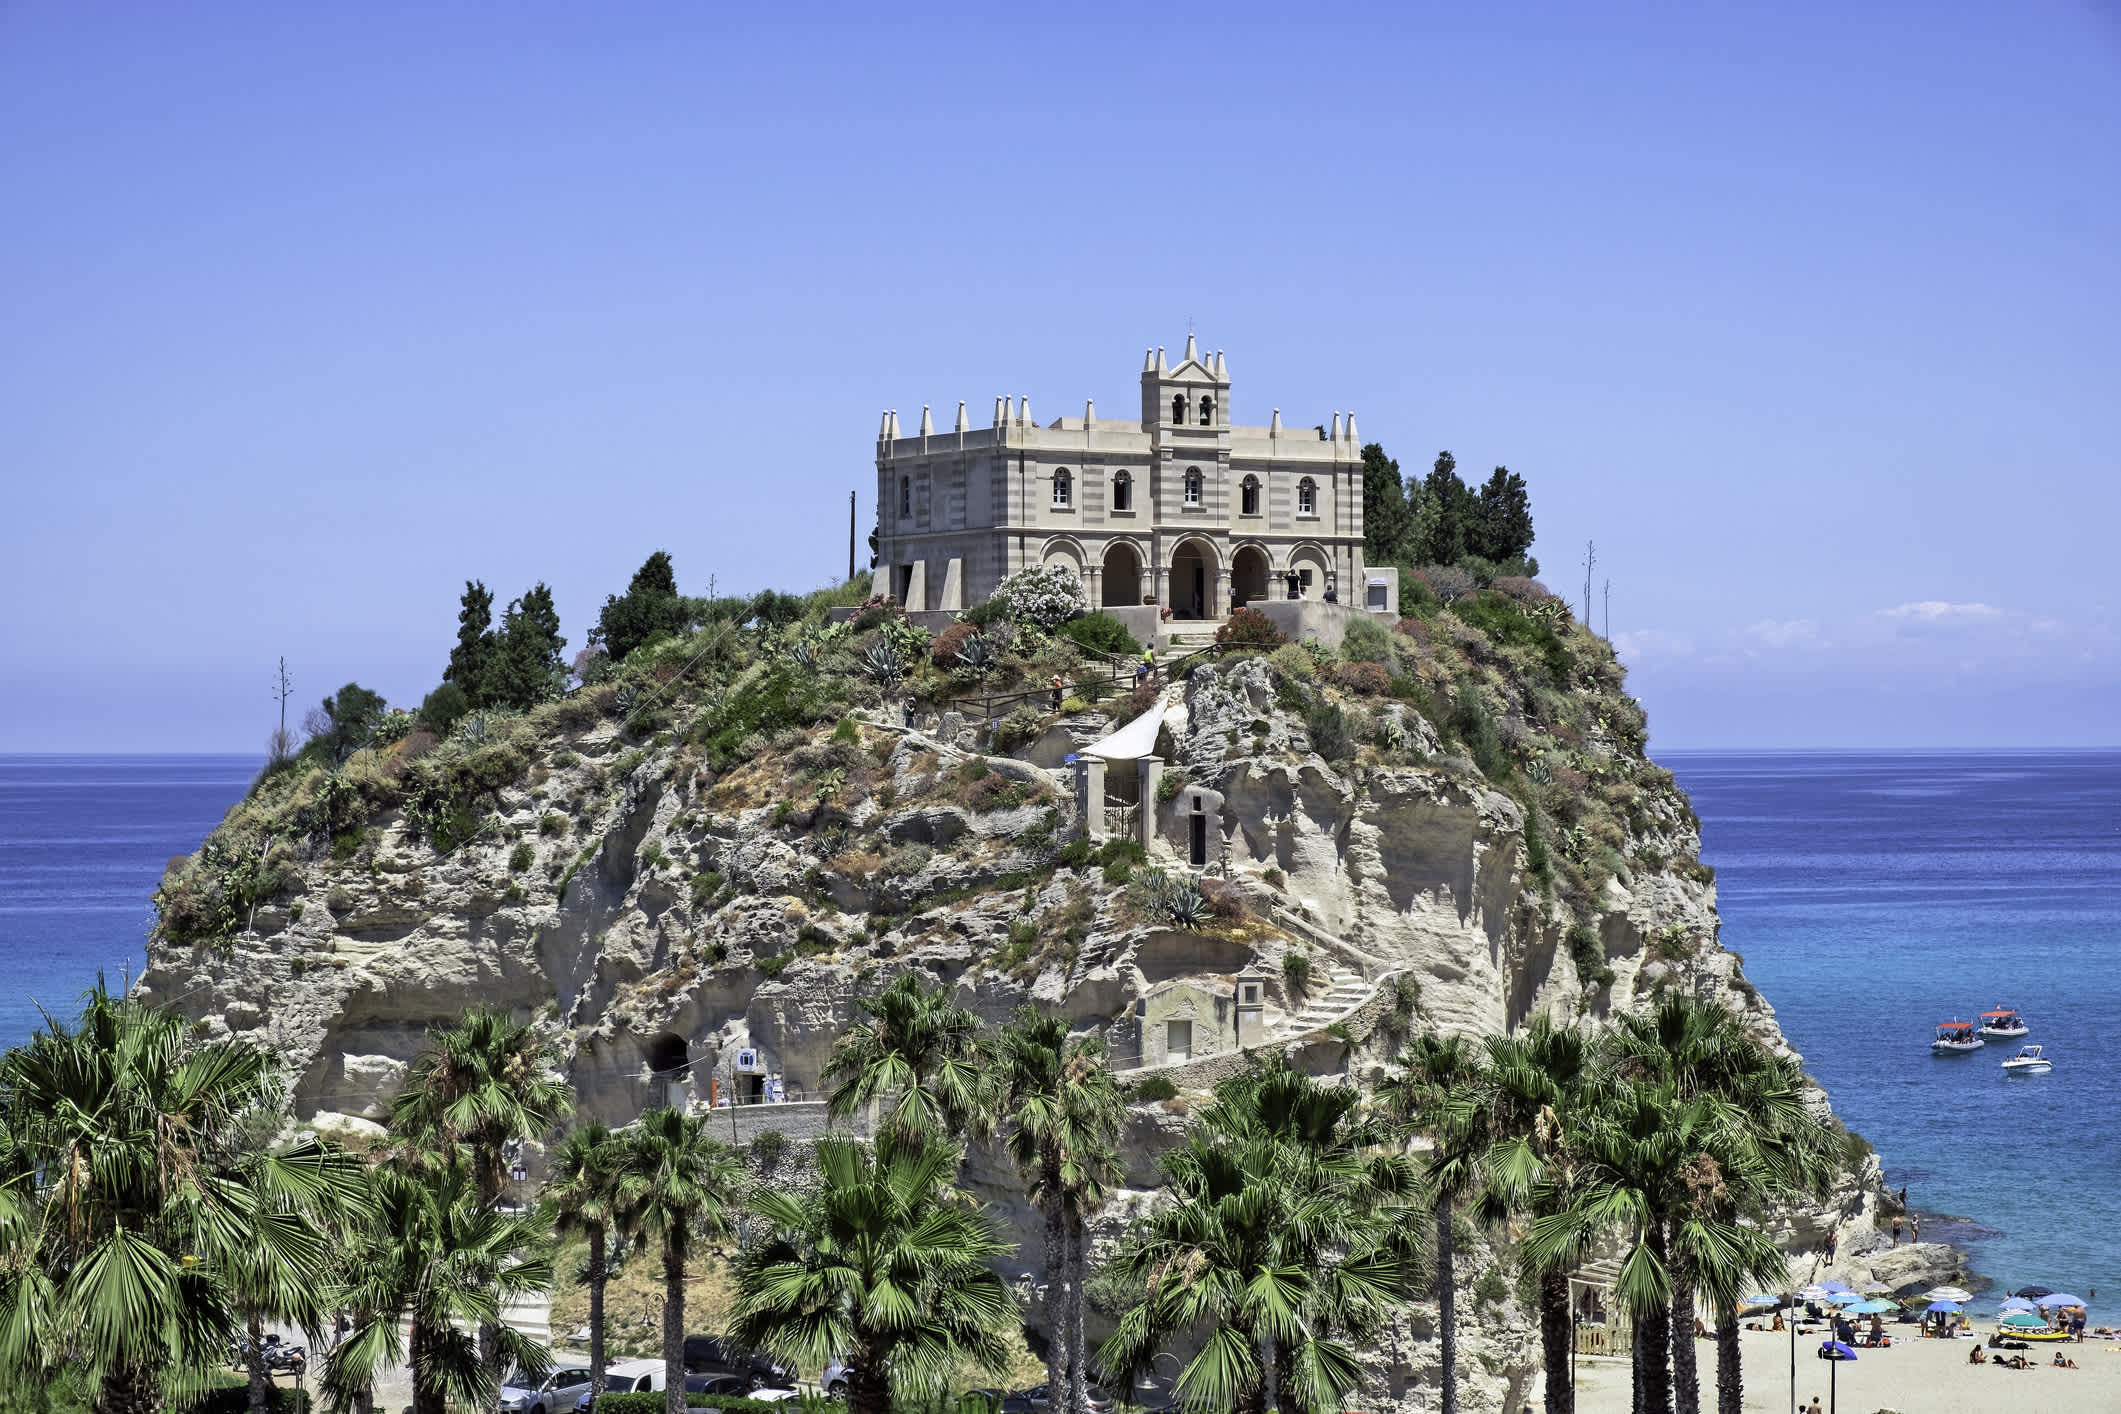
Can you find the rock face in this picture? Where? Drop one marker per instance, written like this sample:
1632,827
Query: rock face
685,933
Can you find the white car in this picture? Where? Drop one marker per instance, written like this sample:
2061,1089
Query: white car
555,1394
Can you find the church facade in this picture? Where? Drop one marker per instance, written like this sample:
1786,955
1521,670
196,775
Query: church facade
1182,509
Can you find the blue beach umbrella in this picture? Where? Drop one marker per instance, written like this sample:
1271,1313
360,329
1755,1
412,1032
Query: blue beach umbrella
1836,1286
1872,1307
1943,1306
2060,1298
1844,1298
2016,1303
1762,1299
1835,1350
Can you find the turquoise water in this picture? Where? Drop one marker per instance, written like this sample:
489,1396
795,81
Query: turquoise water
83,841
1874,895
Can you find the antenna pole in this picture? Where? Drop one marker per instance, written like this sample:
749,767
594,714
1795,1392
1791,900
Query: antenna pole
850,535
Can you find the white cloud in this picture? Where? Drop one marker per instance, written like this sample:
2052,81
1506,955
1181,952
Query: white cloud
1785,632
1653,645
1937,611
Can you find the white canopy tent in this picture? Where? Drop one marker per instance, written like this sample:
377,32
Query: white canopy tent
1132,741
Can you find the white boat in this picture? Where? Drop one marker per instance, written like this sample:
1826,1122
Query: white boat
2004,1024
2028,1061
1956,1038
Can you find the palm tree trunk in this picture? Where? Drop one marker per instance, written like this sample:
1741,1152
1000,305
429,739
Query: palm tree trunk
1686,1375
131,1389
1637,1401
254,1363
1446,1308
1729,1386
868,1386
674,1321
1057,1367
1556,1335
1255,1400
1654,1378
1270,1373
597,1278
1079,1349
427,1397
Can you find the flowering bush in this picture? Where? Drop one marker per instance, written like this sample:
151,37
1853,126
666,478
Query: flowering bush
1046,596
1249,628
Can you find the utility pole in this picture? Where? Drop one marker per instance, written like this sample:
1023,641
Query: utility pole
850,535
1609,611
1590,562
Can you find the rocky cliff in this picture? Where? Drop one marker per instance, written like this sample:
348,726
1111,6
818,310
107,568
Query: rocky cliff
1455,827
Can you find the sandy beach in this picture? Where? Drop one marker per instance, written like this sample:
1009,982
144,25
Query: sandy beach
1918,1377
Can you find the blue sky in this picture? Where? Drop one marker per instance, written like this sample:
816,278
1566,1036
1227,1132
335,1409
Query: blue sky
1807,315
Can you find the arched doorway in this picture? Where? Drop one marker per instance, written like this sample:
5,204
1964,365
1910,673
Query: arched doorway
1248,575
1123,575
1193,569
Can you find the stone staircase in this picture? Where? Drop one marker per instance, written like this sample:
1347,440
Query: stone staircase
1334,991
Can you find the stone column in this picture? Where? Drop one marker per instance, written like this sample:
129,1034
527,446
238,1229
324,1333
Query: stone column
1150,771
1090,795
1095,586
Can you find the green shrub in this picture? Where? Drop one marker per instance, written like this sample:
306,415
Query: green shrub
521,858
1416,599
1168,785
1491,1289
1471,724
1102,633
235,1399
443,708
653,1404
781,696
346,846
846,733
1296,971
1249,628
777,964
1154,1087
554,823
705,885
1328,729
1272,878
1366,641
1021,726
1504,620
767,1147
1587,951
1119,858
1077,852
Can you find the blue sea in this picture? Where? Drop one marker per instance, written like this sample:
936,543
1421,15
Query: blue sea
83,841
1875,895
1872,894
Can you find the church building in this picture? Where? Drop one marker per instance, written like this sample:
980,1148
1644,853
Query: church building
1181,510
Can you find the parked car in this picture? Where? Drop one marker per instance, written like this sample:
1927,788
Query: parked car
626,1377
712,1355
1100,1399
834,1380
730,1386
997,1401
555,1394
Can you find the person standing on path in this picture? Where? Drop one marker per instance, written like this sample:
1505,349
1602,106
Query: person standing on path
1833,1244
1896,1229
1914,1224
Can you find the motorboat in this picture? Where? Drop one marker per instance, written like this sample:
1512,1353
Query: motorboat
2028,1061
2004,1024
1956,1038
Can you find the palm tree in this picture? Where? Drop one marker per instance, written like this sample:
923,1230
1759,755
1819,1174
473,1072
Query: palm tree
584,1191
1438,1093
434,1254
483,1083
115,1217
272,1255
1287,1233
676,1183
879,1265
923,1052
1537,1082
1064,1111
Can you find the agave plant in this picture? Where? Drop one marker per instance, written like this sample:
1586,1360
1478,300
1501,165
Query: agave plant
884,662
976,656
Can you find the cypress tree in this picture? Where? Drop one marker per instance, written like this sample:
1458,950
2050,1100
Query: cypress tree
1503,523
472,658
526,667
1386,521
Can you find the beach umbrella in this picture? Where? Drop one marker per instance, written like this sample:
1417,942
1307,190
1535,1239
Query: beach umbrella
1872,1307
1762,1299
1814,1293
2035,1291
1837,1286
1874,1288
1953,1293
2016,1303
1844,1298
2060,1298
1835,1351
1942,1306
2025,1320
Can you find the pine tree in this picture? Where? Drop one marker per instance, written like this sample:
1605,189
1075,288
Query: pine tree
1387,522
526,667
469,660
1502,526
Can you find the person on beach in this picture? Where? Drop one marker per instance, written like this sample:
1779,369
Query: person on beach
1974,1357
2061,1363
1914,1228
1903,1197
1815,1407
1896,1229
1833,1244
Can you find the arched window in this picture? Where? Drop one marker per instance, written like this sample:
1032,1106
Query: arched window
1307,497
1248,497
1207,412
905,495
1178,408
1192,485
1063,488
1122,491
